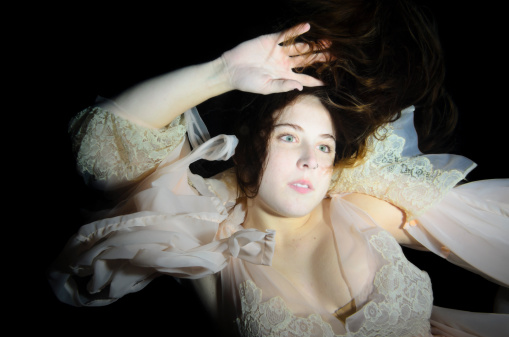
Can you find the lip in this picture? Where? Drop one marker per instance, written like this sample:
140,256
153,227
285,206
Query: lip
301,186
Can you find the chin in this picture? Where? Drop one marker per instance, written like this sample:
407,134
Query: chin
296,210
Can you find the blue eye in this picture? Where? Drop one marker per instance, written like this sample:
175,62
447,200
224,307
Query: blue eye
324,148
288,138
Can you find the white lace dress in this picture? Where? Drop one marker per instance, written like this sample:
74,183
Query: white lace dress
174,222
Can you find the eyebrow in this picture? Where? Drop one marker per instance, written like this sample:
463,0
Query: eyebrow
298,128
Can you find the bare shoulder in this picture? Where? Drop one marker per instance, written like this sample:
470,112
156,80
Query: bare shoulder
388,216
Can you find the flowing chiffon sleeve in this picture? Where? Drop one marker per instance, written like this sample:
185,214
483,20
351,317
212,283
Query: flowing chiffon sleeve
168,222
470,228
466,224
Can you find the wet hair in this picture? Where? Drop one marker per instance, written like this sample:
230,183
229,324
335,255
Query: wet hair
384,56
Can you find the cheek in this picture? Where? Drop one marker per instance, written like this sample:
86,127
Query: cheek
327,171
327,166
326,177
278,162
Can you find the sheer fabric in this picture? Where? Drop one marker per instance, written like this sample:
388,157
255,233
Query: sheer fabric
469,228
393,296
181,224
396,171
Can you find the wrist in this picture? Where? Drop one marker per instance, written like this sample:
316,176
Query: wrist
218,79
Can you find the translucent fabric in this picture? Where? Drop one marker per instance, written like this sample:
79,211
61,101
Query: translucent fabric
396,171
392,296
178,223
470,228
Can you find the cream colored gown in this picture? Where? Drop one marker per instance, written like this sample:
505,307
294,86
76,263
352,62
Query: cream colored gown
174,222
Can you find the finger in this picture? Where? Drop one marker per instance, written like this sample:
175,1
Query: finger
284,85
298,49
309,81
299,29
302,48
306,60
318,57
293,32
300,81
303,80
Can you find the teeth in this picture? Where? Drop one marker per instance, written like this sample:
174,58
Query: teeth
300,185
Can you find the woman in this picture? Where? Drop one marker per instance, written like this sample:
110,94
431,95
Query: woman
334,266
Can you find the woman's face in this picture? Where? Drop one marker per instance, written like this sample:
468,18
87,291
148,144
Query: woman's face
300,160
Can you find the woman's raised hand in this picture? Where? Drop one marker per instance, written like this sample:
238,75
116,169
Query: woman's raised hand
264,65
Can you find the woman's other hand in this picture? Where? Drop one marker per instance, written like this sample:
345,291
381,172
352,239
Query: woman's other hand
265,65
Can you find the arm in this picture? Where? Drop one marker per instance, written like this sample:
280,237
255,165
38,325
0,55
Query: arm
396,183
125,138
262,65
388,216
413,196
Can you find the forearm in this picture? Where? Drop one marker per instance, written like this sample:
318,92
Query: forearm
262,65
156,102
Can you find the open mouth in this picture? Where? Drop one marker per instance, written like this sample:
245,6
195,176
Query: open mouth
301,186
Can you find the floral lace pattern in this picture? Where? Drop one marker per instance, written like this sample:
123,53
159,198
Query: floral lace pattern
110,148
404,310
408,299
273,318
412,183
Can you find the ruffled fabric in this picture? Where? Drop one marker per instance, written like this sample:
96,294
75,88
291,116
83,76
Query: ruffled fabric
396,171
457,323
470,228
123,254
178,223
167,224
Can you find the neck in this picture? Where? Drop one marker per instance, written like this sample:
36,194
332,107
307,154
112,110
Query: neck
288,229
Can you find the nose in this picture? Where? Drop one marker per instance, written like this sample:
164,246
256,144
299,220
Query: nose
307,159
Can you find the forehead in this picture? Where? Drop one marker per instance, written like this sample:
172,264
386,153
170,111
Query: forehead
307,111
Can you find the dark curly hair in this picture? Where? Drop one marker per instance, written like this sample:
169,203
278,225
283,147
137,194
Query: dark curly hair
256,124
384,55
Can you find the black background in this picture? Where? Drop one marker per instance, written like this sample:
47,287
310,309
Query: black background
64,56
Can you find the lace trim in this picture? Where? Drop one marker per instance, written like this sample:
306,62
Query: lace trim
404,309
411,183
408,297
273,318
110,148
